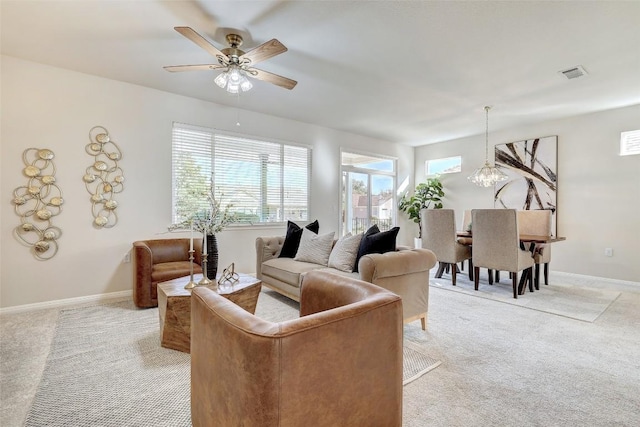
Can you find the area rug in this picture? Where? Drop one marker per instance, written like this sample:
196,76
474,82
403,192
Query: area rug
558,298
106,368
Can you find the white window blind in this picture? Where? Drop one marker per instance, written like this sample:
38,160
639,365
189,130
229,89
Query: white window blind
265,181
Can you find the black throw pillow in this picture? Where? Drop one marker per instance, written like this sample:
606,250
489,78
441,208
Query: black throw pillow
292,239
377,243
372,230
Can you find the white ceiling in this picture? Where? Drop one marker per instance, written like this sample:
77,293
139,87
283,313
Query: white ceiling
414,72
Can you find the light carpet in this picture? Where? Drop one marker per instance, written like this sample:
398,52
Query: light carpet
107,368
559,298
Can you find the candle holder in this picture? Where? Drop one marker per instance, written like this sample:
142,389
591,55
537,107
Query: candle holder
191,283
205,280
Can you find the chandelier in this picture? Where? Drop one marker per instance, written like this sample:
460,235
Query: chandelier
233,80
487,175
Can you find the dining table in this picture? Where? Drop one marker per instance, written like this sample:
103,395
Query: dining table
535,242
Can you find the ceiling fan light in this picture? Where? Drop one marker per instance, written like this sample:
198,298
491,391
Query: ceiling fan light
233,87
245,84
234,75
221,79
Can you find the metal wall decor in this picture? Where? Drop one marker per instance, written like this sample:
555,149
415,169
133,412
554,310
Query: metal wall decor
37,203
104,177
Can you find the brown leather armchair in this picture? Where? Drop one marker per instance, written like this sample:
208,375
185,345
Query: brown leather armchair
159,260
339,364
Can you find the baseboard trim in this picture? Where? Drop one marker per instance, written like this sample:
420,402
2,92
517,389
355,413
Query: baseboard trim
61,303
597,279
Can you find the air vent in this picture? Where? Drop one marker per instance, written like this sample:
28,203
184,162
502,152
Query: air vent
574,72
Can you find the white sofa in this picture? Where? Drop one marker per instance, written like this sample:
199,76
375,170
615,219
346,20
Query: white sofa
404,272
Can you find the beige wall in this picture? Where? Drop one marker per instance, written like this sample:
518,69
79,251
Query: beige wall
47,107
598,190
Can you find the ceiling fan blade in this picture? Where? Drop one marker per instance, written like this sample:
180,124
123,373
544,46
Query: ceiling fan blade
174,68
189,33
272,78
265,51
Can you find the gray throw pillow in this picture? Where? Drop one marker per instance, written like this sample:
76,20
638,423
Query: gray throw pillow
314,248
343,255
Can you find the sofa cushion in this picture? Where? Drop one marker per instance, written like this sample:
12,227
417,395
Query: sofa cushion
287,270
315,248
341,273
377,243
344,253
292,239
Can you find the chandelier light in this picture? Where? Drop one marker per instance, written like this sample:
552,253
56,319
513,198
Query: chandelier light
233,80
487,175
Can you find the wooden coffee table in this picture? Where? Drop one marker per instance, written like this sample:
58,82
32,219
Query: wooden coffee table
174,306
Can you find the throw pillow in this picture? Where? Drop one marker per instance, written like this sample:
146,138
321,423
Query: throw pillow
372,230
314,248
344,253
292,239
378,243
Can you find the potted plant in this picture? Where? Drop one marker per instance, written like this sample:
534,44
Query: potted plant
426,194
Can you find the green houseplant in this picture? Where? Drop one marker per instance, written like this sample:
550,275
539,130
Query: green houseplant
427,194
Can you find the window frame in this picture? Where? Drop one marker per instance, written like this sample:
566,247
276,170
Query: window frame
427,162
282,145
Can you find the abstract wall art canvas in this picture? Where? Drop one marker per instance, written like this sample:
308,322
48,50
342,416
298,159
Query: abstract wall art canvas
532,168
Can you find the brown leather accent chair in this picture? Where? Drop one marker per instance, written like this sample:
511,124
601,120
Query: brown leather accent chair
339,364
160,260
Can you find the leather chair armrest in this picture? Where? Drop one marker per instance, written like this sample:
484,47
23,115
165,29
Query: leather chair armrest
267,248
143,262
321,291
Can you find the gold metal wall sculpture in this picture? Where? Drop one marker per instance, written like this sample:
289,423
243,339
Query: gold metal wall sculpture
104,177
38,202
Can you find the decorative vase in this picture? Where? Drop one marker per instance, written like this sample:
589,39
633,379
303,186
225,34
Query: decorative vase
212,256
417,243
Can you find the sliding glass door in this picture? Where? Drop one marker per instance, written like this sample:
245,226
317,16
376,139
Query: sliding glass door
368,195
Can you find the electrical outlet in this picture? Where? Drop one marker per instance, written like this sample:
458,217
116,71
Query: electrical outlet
127,257
608,251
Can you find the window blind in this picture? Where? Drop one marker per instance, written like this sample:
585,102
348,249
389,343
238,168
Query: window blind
265,181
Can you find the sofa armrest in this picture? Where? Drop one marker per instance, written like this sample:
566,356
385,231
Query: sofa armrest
393,264
405,273
267,248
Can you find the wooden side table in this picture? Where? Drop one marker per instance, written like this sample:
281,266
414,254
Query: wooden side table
174,306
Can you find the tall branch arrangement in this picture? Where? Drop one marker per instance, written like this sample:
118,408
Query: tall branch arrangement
211,220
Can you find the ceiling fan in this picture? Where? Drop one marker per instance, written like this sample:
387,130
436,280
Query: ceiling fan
236,63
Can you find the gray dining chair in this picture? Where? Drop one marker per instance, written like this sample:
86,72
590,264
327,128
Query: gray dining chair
439,236
537,222
496,245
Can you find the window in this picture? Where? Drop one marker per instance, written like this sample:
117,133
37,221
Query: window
630,142
368,195
265,181
442,166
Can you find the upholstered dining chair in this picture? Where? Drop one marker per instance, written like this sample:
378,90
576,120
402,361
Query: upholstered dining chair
439,236
496,245
467,225
338,364
537,222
